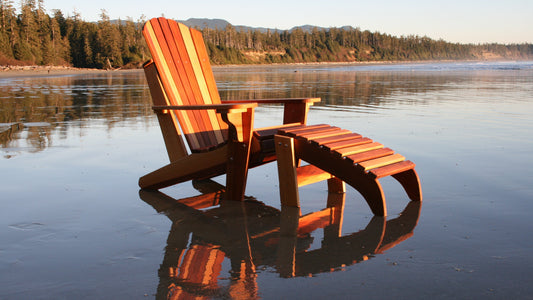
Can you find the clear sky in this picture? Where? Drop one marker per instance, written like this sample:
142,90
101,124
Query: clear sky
463,21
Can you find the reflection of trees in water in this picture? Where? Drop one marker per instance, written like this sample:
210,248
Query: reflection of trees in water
348,88
34,108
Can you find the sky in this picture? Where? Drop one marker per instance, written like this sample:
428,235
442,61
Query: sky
466,21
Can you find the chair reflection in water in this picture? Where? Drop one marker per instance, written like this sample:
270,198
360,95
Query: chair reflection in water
205,231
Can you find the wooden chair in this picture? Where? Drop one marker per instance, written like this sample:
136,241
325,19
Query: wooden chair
222,139
219,135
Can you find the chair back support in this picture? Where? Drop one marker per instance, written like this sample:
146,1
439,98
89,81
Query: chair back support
182,63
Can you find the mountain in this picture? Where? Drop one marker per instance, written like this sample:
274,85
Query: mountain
206,23
221,24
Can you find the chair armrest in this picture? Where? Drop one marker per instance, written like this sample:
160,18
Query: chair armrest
295,109
220,108
238,116
280,100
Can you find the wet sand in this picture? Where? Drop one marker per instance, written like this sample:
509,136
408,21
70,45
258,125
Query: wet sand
74,225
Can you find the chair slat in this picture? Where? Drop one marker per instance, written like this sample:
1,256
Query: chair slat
182,77
181,58
205,64
198,82
153,34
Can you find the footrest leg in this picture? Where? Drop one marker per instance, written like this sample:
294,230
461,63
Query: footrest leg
410,183
373,193
288,181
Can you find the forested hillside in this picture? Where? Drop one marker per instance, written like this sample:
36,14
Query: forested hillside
33,37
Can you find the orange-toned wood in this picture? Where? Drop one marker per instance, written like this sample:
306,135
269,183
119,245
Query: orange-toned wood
159,49
295,112
335,185
310,174
357,149
168,122
276,100
333,132
346,143
369,155
288,180
293,132
392,169
336,138
197,79
411,184
268,132
301,132
205,65
207,71
193,166
191,81
238,159
345,171
381,162
174,53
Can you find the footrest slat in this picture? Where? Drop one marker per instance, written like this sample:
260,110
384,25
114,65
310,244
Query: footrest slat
381,162
295,131
357,149
335,138
346,143
392,169
369,155
322,134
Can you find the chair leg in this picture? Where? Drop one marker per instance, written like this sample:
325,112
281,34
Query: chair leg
237,171
410,183
335,185
288,180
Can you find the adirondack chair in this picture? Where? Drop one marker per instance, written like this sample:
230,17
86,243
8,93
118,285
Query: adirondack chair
219,135
222,139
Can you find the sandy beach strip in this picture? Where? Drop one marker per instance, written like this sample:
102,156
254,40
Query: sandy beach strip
38,71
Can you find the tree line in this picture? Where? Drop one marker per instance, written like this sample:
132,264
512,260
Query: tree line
34,37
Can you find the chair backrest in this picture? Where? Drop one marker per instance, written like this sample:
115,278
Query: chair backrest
182,64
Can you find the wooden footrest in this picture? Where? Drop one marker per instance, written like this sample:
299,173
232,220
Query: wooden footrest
355,149
357,160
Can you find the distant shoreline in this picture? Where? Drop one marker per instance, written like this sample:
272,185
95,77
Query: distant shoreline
44,71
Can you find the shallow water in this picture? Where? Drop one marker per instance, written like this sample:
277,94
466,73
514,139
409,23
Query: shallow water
73,224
